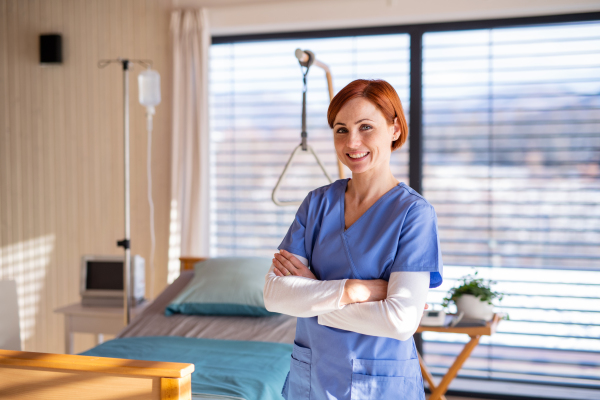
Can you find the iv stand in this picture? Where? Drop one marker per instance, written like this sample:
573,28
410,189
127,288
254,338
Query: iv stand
126,242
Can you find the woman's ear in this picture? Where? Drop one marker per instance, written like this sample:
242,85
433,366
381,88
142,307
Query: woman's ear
396,129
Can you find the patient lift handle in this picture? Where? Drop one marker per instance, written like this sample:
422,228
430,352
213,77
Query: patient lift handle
306,59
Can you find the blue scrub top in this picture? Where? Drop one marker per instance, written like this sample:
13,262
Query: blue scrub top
398,233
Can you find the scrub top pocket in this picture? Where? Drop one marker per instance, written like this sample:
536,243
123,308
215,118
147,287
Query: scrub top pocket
299,377
386,379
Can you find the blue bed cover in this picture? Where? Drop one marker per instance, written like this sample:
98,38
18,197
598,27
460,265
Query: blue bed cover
250,370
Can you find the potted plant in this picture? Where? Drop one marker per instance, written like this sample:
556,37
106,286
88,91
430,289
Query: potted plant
473,297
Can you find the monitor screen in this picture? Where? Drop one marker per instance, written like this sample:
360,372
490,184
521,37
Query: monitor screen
106,275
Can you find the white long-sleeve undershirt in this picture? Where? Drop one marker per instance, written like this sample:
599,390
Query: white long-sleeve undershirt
299,296
396,317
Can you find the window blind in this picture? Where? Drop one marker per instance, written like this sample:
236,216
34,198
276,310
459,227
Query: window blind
511,126
255,123
511,163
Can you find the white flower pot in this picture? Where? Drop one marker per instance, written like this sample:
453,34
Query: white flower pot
474,308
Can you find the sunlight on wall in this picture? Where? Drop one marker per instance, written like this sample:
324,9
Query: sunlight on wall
27,262
174,244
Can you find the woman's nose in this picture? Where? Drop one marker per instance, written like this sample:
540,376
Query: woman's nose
354,140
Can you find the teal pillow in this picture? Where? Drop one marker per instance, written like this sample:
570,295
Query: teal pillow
224,286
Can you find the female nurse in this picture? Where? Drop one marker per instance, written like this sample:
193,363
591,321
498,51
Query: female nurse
357,263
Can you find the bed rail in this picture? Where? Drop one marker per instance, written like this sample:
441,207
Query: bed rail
29,375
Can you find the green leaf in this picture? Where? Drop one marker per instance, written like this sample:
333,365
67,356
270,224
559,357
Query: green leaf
471,284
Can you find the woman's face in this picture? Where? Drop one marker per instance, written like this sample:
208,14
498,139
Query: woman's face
362,136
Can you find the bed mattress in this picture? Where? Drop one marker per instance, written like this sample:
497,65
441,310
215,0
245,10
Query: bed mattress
153,322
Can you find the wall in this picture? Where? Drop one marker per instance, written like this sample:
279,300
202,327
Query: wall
229,17
61,150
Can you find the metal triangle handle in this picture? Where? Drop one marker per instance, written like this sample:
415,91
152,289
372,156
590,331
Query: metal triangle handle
285,171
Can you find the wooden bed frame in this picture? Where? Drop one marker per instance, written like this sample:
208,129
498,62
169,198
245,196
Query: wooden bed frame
28,375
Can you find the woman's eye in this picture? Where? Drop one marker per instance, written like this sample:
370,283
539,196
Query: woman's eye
341,130
365,127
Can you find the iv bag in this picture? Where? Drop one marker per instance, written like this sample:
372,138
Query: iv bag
149,87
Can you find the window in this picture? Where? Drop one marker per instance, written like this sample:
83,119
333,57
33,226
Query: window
256,103
511,128
511,162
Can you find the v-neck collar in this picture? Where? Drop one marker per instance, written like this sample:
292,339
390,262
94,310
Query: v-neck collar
343,205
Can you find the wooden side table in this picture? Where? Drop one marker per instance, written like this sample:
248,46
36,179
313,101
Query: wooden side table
475,333
96,320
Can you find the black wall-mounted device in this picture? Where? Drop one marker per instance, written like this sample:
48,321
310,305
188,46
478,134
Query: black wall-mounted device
50,49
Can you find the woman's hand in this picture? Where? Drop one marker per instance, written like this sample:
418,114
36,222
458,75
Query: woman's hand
362,291
286,264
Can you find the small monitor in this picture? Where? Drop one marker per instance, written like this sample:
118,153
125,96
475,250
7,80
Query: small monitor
104,275
102,280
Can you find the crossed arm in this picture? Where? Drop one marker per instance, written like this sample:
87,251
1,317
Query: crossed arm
370,307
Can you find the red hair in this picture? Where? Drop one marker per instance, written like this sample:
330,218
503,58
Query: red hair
378,92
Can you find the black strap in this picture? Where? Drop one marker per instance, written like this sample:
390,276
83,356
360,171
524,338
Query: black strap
304,69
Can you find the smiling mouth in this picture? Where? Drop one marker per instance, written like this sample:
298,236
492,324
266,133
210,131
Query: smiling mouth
358,156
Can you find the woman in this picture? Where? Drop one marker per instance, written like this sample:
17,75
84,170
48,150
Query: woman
372,246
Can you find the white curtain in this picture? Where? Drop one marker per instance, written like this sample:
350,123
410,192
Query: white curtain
190,156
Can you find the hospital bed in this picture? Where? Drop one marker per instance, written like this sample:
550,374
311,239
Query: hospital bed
233,357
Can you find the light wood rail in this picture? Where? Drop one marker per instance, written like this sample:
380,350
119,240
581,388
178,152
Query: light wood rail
29,375
115,366
187,262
